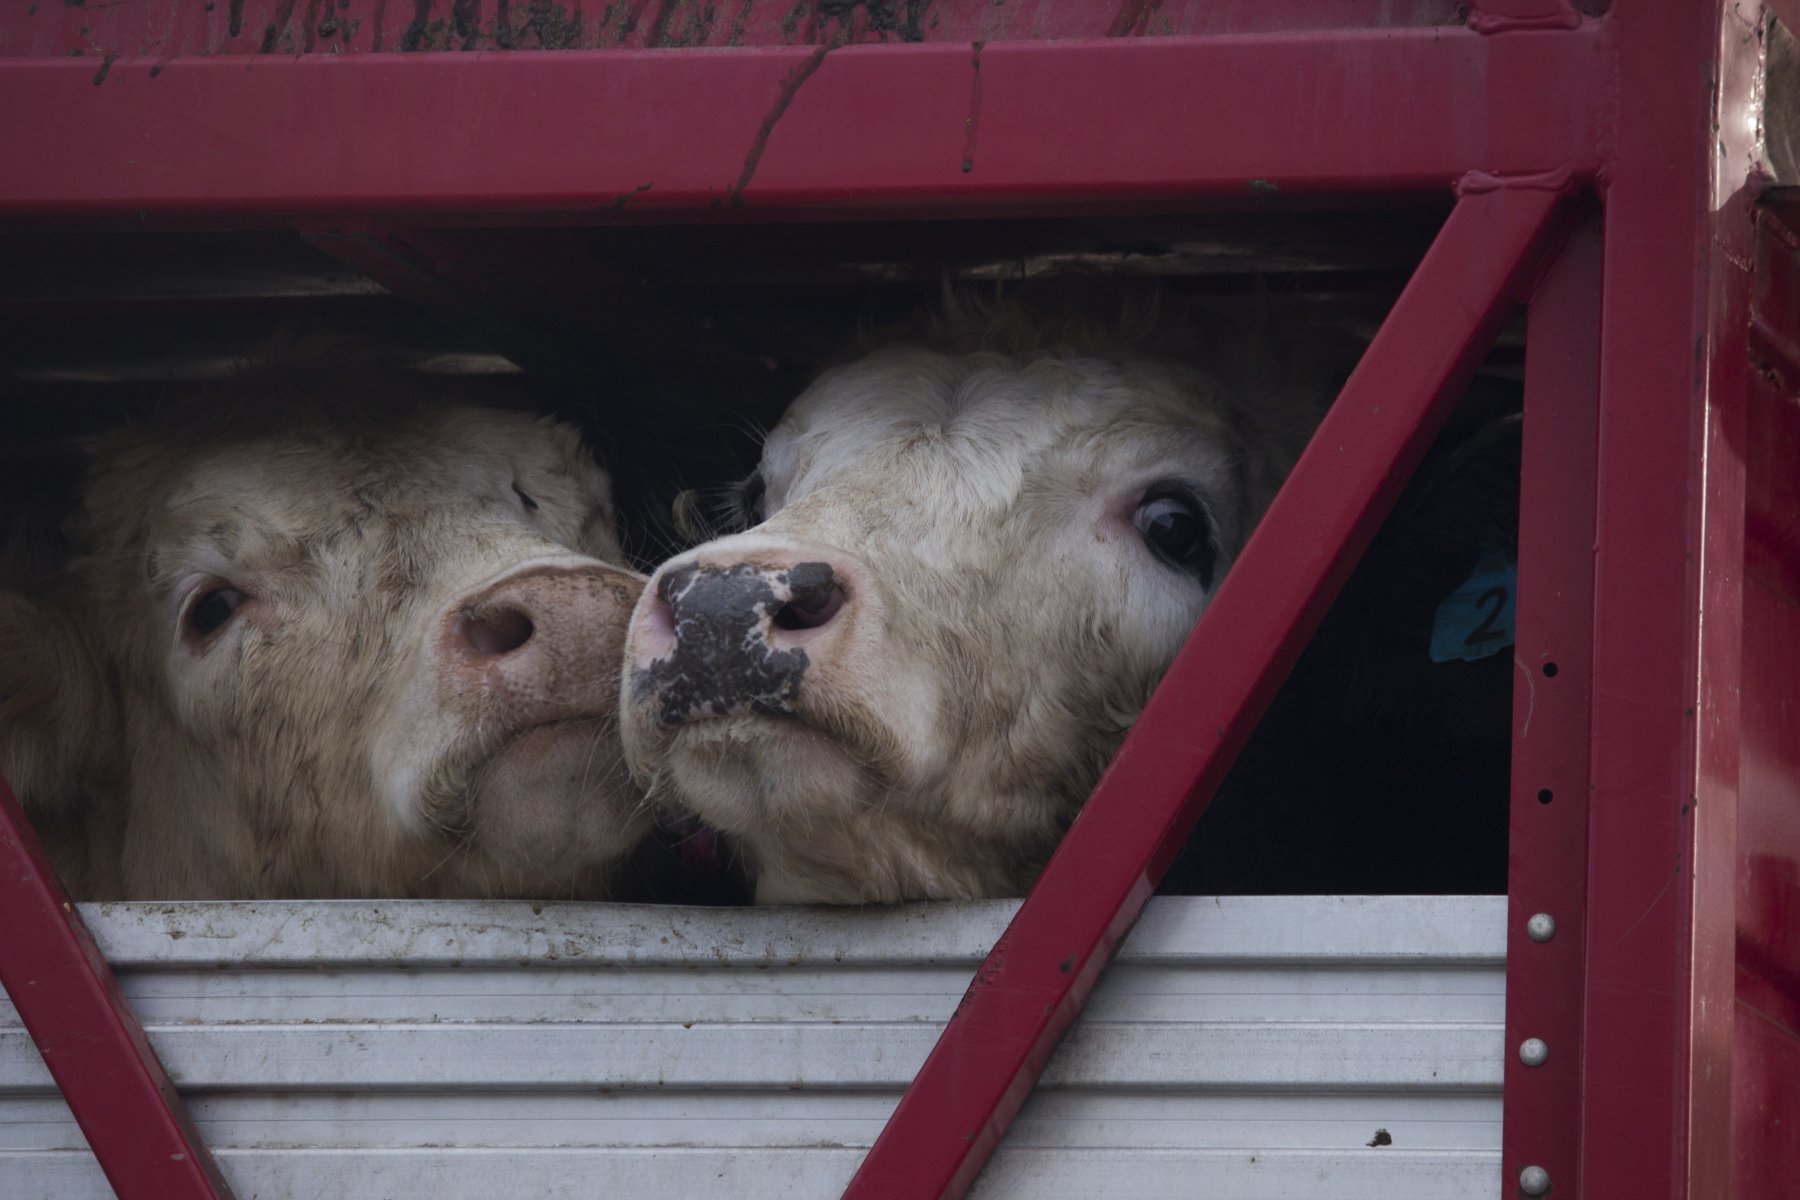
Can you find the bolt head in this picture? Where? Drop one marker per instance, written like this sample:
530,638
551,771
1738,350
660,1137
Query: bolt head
1534,1181
1541,927
1533,1052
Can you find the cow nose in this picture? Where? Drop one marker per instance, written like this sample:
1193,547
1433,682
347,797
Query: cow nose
716,639
814,598
541,641
783,606
491,633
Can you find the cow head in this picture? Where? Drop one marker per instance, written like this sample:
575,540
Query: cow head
971,559
330,636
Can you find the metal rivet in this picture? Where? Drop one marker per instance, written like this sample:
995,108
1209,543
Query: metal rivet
1533,1052
1534,1181
1541,927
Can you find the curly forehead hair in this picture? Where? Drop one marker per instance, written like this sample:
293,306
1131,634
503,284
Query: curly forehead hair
1275,377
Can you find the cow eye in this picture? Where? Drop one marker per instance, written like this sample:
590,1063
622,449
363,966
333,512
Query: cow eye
530,504
1175,527
211,610
753,499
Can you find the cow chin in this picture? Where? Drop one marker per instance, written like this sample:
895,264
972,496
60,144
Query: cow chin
555,797
743,774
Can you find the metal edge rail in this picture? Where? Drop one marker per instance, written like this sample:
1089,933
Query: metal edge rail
90,1039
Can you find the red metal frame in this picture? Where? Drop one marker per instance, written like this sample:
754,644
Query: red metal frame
858,130
1765,1072
250,28
1633,536
90,1039
1547,842
1663,772
1032,986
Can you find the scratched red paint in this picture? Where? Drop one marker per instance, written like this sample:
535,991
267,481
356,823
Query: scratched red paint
183,28
166,114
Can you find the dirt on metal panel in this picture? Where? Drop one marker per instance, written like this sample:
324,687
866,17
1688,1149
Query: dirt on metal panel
166,29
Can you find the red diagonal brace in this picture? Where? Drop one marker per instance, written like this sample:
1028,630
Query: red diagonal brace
90,1039
1033,984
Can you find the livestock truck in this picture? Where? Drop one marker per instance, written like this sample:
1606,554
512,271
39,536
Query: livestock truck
653,202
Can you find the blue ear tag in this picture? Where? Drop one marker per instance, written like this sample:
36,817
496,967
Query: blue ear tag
1476,620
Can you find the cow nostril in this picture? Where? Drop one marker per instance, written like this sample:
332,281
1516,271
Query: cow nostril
811,608
495,632
659,617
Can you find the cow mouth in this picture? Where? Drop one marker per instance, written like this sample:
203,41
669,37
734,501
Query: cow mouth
851,728
563,763
594,723
532,742
747,773
552,795
743,725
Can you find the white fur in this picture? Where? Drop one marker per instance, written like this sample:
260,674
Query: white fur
321,743
1006,621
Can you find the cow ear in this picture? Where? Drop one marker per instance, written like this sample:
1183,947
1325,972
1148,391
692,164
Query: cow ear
59,730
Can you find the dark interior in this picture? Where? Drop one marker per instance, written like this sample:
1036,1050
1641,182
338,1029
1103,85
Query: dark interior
1378,770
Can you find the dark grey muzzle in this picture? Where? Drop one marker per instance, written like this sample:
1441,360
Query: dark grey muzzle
731,625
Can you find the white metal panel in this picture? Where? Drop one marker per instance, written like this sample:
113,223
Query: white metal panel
783,1174
757,1174
1431,930
1244,1047
1053,1120
773,1055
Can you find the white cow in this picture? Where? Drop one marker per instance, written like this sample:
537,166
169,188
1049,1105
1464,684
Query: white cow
328,632
972,558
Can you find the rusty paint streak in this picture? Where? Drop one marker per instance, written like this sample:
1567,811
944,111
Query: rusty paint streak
236,23
972,122
904,19
544,26
790,20
659,25
624,198
633,18
278,28
738,22
790,86
414,37
105,66
465,23
1133,18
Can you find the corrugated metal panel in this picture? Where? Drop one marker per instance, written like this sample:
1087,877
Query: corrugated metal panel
1339,1047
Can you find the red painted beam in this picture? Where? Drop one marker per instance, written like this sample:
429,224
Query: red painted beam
1658,1003
70,1003
1035,981
1011,127
171,28
1765,1070
1547,842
